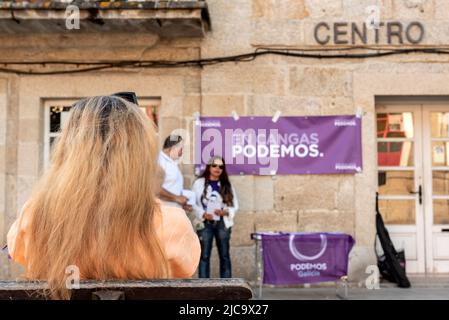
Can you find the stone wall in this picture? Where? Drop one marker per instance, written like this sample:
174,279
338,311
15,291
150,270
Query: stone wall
311,87
294,86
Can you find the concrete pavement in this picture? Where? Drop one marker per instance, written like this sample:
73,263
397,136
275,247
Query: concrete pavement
423,288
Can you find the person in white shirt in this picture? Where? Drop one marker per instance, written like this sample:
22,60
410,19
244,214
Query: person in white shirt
216,205
173,182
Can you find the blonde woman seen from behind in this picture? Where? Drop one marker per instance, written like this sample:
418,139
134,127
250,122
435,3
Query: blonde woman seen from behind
96,208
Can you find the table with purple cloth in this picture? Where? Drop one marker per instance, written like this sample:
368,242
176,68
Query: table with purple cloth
302,258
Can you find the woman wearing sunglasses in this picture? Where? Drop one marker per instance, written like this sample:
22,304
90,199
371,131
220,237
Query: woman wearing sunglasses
216,205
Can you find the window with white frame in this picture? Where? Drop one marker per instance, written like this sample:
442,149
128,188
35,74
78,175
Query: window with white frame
57,113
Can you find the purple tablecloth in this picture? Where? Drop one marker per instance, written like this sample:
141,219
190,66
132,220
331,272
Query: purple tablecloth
297,258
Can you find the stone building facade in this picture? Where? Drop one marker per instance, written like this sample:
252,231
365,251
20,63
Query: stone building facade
295,86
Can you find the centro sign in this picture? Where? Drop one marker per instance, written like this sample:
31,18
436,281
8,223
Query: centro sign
394,32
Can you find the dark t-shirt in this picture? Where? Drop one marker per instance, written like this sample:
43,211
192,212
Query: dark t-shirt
214,185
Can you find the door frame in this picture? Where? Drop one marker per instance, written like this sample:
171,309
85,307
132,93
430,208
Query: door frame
430,227
418,265
427,104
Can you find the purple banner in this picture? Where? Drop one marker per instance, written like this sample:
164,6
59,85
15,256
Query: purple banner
297,258
291,145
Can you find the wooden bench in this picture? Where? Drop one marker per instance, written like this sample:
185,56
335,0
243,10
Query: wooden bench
176,289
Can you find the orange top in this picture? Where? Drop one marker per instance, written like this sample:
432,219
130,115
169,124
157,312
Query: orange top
175,231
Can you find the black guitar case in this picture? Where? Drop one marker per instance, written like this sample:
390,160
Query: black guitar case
392,263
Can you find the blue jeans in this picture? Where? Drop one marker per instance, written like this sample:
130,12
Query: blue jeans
222,236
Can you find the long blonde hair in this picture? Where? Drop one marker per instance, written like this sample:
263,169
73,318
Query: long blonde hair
95,207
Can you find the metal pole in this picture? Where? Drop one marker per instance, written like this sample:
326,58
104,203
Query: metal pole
260,253
257,259
344,282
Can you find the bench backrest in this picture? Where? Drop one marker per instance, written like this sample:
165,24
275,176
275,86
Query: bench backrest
173,289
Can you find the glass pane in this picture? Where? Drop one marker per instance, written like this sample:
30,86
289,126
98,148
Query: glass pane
395,125
395,153
439,124
397,211
440,182
58,116
65,115
52,144
151,111
440,211
55,119
396,182
440,155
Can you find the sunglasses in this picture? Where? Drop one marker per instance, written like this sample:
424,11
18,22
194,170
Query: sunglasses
221,166
129,96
